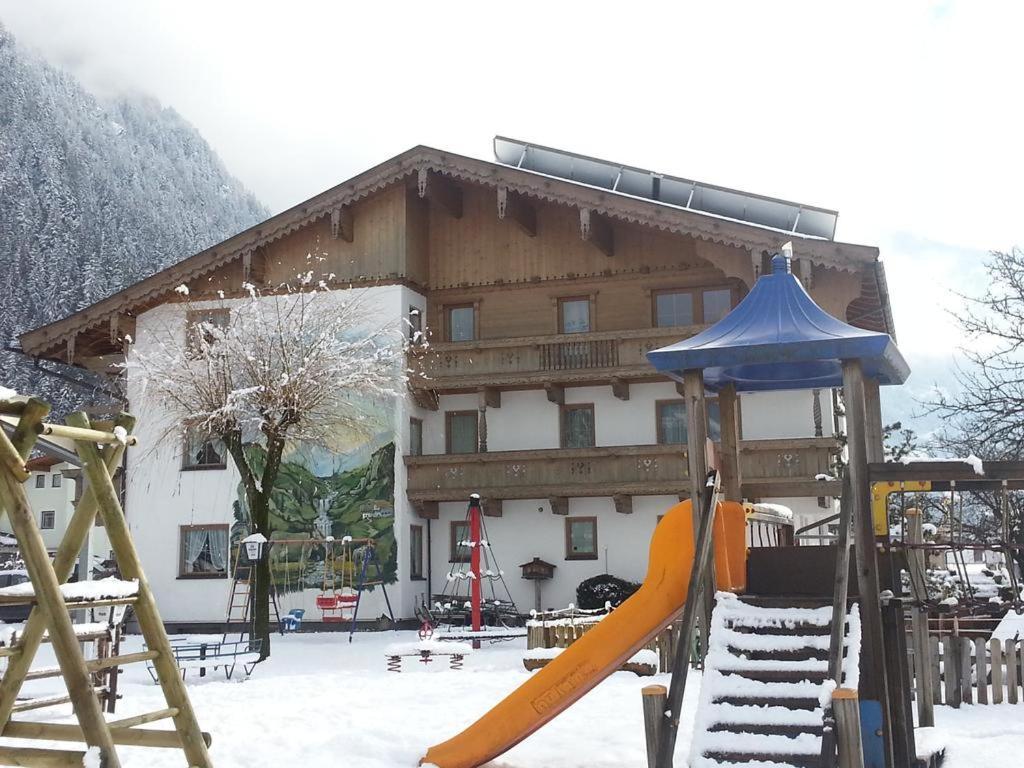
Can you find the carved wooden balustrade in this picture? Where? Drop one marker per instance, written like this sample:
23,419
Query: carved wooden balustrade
771,468
560,359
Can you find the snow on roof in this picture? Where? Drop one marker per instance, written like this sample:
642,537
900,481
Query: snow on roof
776,510
976,464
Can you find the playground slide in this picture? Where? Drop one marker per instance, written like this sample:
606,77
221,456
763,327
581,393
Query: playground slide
603,649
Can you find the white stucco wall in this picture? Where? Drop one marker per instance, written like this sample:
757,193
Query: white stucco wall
161,497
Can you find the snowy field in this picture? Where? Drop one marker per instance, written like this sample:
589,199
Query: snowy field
320,699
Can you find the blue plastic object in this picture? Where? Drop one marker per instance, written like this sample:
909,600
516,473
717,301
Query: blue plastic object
778,338
292,620
871,734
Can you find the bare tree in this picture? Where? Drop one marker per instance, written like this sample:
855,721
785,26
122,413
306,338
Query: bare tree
985,416
291,367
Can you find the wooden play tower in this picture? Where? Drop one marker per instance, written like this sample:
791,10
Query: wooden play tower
779,339
100,447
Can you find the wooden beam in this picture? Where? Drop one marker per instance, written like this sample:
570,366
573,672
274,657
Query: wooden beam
342,223
620,388
440,190
555,393
428,510
697,437
732,477
515,208
873,679
623,504
491,507
490,397
597,229
24,729
559,505
425,398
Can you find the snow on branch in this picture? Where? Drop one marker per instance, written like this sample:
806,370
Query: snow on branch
300,364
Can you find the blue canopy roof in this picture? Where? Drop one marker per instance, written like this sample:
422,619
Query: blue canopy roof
778,338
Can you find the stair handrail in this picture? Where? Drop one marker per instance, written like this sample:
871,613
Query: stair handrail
838,623
681,660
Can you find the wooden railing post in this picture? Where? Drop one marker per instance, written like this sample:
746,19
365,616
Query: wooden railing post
846,705
654,713
919,620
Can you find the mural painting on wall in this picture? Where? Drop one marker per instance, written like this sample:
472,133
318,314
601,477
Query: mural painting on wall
323,494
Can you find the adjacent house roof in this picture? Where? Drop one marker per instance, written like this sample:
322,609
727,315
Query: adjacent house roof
778,338
56,340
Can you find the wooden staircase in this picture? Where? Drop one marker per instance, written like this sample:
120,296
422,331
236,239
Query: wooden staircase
764,681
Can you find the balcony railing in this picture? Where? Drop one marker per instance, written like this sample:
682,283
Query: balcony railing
770,468
563,358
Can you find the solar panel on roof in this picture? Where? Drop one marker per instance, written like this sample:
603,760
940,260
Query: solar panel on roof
783,215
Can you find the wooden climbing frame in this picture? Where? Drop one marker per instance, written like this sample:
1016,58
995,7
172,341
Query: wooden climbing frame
100,447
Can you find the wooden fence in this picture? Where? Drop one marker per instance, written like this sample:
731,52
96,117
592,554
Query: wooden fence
973,670
563,632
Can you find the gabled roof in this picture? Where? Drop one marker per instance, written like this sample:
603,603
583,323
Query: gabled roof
46,340
779,338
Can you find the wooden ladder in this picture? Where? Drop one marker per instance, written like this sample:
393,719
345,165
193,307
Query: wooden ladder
100,447
240,599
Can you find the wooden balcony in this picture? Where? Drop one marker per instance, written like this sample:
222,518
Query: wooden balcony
771,468
578,358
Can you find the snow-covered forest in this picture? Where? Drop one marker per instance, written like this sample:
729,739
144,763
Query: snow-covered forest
94,196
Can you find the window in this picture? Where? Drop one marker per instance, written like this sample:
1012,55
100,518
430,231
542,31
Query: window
459,534
460,322
204,552
415,551
687,306
672,423
47,519
55,483
202,451
40,481
717,304
574,315
415,437
202,327
673,308
581,538
578,426
415,325
460,432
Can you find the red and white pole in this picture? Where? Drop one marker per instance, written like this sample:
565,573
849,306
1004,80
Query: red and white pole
474,562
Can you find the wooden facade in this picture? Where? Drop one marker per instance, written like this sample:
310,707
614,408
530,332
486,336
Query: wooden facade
511,244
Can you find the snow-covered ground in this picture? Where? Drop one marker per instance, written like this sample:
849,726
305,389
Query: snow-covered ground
321,699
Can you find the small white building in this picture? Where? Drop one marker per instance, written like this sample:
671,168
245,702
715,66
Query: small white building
540,281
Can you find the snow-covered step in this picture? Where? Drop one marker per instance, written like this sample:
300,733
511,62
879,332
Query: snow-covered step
764,685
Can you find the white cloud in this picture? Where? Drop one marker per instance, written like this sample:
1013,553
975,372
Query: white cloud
904,116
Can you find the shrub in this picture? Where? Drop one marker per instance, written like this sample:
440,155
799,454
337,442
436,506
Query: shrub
597,590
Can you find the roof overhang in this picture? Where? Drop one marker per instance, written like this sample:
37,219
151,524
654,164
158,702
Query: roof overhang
102,318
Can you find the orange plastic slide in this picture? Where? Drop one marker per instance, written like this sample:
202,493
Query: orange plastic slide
602,650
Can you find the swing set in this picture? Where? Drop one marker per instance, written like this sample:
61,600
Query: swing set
346,575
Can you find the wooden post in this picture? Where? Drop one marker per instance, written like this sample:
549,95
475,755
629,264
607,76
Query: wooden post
996,650
1012,668
919,620
981,668
654,712
846,705
150,623
966,689
874,682
729,412
950,671
696,442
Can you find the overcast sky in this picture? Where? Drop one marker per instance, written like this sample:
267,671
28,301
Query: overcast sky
905,116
